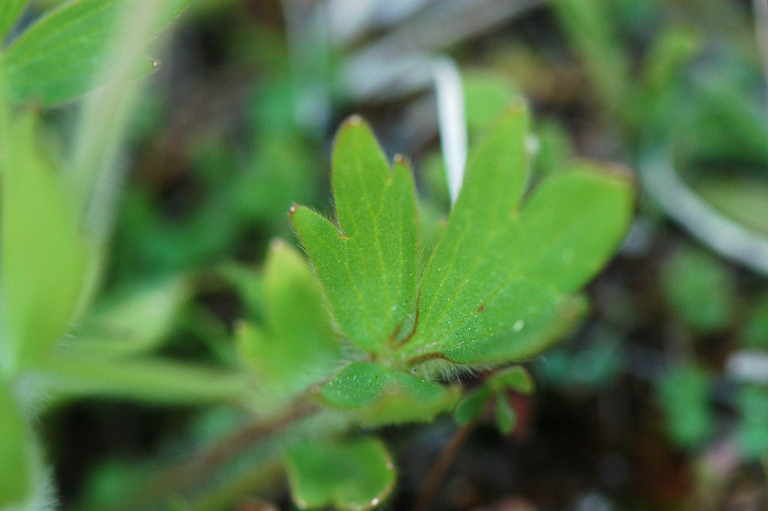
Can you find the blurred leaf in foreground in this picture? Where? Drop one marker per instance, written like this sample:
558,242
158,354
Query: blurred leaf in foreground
296,347
56,59
44,254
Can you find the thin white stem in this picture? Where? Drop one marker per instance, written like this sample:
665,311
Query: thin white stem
750,366
451,121
726,237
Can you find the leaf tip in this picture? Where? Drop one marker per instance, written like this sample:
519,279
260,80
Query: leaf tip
400,159
354,120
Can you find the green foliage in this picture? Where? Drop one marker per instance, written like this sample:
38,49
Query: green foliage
595,365
475,403
699,289
368,263
132,322
292,351
514,378
472,405
376,395
45,256
15,464
555,150
739,198
146,379
511,280
10,11
485,95
670,51
352,475
505,415
499,285
753,428
591,30
755,332
57,58
684,398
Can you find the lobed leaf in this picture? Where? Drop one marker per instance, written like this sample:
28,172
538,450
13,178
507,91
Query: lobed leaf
348,475
502,277
368,264
293,351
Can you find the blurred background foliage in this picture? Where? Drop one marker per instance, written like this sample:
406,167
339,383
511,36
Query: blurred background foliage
658,401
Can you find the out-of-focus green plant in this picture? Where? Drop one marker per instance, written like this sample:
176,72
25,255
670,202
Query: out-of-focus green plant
684,395
699,289
755,332
50,258
58,57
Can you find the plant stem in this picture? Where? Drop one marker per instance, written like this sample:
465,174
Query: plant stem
194,471
440,467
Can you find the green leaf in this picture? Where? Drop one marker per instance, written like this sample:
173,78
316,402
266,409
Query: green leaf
573,223
357,385
545,319
464,270
472,405
497,273
555,149
514,378
684,395
45,258
376,395
56,59
592,32
368,264
755,333
10,11
699,289
485,95
753,429
151,380
505,415
293,351
351,475
15,464
131,323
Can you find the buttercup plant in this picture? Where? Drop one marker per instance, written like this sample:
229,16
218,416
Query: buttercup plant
498,287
